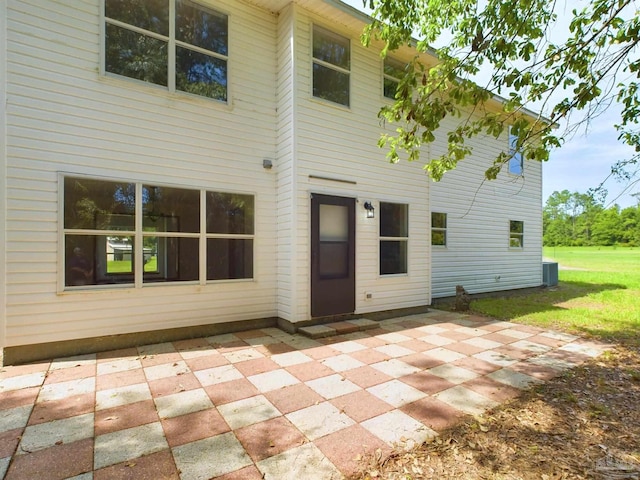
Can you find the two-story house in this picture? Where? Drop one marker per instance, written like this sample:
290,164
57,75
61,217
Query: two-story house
170,167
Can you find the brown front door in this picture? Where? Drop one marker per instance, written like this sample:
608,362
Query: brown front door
333,281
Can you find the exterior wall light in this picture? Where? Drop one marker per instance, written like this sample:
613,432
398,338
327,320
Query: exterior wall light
370,210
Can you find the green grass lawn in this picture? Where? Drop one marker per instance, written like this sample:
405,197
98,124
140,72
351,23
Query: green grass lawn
124,266
601,297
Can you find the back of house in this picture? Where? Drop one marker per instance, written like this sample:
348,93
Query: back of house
181,168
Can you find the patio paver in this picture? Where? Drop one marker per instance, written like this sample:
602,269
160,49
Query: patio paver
266,403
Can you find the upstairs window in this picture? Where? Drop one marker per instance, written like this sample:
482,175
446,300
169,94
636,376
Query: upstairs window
438,229
393,72
516,165
331,66
516,234
394,238
176,44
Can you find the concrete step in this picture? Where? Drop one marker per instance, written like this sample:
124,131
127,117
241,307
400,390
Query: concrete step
338,328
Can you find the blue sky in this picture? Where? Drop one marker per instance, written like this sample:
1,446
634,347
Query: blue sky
585,159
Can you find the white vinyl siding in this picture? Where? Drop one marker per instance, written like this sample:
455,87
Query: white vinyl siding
336,145
285,167
478,255
3,177
64,117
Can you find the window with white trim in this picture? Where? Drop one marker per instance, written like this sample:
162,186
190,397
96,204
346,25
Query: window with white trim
439,229
393,72
516,164
108,225
331,66
178,44
516,234
394,238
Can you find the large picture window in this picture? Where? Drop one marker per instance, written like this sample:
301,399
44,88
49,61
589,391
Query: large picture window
177,44
394,238
103,236
331,66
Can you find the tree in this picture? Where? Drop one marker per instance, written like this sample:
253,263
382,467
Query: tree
568,218
595,63
608,228
630,220
555,219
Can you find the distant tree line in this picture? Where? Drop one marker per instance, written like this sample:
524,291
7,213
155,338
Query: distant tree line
578,219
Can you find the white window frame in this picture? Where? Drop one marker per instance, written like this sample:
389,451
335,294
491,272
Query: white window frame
171,50
516,160
519,236
138,233
329,65
443,230
403,239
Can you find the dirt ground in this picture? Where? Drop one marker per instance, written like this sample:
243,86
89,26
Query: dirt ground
584,424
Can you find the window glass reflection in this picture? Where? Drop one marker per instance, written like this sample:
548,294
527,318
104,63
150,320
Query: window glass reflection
516,233
152,15
171,259
393,257
203,28
229,258
230,213
438,229
438,220
515,162
393,220
137,40
331,48
98,205
201,74
393,72
394,68
98,260
330,84
167,209
393,252
101,233
80,260
438,238
134,55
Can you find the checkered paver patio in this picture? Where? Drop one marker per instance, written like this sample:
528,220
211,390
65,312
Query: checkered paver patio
264,403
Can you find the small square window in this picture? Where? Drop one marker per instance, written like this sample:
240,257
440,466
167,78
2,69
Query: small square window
438,229
516,234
